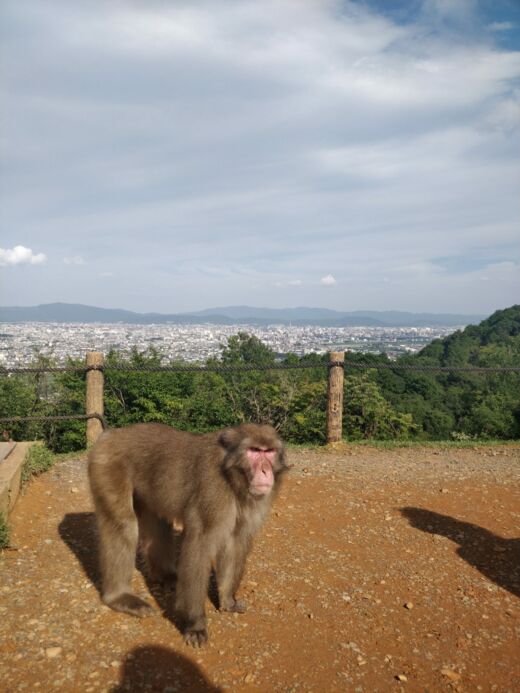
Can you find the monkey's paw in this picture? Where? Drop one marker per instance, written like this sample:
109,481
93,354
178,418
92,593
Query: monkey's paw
131,604
196,637
234,605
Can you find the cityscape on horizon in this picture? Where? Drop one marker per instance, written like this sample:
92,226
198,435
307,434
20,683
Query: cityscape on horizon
21,343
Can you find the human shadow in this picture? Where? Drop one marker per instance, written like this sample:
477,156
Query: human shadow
161,669
496,558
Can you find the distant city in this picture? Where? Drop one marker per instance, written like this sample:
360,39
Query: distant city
21,342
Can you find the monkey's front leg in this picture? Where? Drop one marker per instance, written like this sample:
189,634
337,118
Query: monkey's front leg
192,586
230,566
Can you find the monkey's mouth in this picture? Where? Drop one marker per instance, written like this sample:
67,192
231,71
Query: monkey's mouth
260,489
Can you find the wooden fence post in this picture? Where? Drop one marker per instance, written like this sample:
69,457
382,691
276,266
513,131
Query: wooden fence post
94,395
335,397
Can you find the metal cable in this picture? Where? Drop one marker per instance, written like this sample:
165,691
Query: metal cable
249,368
435,369
64,417
48,369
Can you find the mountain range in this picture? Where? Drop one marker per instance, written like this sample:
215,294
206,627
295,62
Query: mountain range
235,315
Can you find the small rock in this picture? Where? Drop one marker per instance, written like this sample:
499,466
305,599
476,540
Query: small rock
53,652
249,678
408,605
401,677
74,490
450,674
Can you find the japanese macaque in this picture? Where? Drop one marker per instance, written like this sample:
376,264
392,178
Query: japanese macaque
148,480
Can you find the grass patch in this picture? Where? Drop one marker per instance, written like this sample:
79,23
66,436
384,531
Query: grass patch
291,445
65,456
4,532
452,444
37,460
395,444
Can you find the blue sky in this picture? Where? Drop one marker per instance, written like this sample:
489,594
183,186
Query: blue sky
173,156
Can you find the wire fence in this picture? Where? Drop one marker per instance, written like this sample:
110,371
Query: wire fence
248,368
60,417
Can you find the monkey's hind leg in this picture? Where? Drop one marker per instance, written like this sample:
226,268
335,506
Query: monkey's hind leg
118,545
159,546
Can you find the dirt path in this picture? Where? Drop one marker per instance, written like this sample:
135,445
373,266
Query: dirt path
375,566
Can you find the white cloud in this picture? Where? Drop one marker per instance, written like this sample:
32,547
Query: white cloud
201,146
289,282
505,116
501,26
74,260
328,280
20,255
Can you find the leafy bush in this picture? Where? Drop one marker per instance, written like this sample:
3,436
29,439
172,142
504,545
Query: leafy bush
367,414
37,460
4,532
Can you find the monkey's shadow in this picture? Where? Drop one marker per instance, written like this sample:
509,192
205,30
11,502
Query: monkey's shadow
495,557
79,532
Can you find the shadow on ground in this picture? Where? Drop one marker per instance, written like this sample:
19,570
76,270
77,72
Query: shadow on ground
79,533
161,669
496,558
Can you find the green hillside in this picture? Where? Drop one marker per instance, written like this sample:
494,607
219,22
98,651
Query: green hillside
462,404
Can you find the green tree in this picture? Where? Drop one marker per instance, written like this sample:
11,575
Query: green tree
367,414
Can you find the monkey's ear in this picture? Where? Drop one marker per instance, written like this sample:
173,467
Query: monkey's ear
229,438
282,463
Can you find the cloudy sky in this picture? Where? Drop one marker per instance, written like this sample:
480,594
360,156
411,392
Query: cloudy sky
178,155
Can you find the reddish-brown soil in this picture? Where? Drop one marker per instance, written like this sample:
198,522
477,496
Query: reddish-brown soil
379,570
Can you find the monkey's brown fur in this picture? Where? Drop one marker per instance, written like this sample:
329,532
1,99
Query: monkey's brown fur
218,487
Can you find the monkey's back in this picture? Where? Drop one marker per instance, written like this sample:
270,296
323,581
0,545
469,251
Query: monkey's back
158,462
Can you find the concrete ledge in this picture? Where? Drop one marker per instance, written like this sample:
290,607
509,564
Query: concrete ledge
11,476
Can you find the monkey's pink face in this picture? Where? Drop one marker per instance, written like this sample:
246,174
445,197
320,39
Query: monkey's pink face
261,462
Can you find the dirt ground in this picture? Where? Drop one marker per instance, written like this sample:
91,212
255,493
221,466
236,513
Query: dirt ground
379,570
